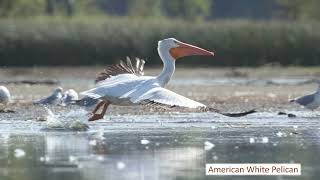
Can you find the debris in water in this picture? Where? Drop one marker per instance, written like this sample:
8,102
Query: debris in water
44,159
208,145
279,134
251,140
282,113
292,115
288,114
19,153
215,158
265,140
72,158
144,141
93,143
121,165
100,158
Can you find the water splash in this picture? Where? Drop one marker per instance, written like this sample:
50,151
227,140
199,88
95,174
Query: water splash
74,120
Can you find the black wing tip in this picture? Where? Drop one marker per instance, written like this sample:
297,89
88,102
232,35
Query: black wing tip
123,67
241,114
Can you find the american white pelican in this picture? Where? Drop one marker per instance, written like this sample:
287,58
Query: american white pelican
5,96
53,99
311,101
68,97
124,84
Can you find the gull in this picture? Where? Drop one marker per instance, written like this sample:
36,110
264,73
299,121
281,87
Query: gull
68,97
53,99
310,101
5,96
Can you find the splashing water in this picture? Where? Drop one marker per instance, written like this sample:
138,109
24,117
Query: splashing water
73,120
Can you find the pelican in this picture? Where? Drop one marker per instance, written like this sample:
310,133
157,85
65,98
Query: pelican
124,84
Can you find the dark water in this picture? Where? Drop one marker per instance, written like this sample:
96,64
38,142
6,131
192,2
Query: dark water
158,147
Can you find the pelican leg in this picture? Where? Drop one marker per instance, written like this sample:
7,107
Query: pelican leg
97,107
95,116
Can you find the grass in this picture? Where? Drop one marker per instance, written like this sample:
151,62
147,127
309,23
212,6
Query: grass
104,40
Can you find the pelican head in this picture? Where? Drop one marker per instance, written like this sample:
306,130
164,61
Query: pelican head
178,49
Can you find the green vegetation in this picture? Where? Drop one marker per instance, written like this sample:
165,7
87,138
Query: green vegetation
104,40
301,10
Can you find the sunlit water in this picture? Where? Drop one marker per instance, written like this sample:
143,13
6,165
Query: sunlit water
169,146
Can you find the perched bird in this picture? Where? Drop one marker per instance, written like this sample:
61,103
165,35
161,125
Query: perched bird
5,96
68,97
311,101
53,99
124,84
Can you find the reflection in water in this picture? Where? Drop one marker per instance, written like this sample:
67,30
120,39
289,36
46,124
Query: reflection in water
73,156
169,153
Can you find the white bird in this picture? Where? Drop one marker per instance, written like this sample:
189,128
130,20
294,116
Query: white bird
5,96
311,101
53,99
68,97
124,84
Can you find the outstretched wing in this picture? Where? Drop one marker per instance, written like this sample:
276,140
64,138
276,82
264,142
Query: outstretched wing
165,98
161,97
127,67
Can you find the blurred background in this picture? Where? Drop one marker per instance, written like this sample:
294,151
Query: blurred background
96,32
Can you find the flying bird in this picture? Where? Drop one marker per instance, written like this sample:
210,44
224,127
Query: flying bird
310,101
5,96
53,99
124,84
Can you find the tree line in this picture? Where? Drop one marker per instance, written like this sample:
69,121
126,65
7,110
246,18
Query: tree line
185,9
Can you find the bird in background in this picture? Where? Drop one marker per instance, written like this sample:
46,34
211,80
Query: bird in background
124,84
69,97
5,97
53,99
310,101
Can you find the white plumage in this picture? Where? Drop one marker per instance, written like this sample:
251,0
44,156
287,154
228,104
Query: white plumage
53,99
124,83
68,97
5,96
129,89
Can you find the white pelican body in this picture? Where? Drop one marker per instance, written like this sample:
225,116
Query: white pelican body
129,89
124,83
5,96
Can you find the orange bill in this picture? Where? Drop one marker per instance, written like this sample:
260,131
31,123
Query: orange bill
185,49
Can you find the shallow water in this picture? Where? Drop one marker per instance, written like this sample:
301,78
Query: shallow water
132,143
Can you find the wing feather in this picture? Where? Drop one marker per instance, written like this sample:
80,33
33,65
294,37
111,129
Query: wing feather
127,67
168,99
